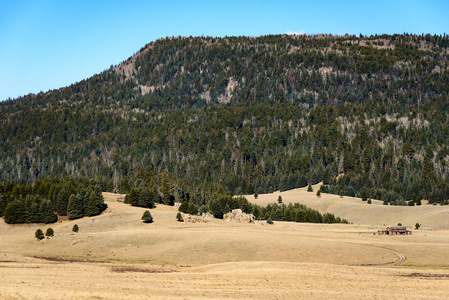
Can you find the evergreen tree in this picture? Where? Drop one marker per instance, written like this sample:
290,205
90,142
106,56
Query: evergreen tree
75,207
184,207
179,217
146,217
49,232
91,207
39,235
62,200
75,228
166,189
309,188
133,197
34,214
46,212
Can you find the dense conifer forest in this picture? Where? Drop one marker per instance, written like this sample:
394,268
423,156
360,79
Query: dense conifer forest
190,116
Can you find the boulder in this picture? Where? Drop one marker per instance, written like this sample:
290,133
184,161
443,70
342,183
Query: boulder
237,215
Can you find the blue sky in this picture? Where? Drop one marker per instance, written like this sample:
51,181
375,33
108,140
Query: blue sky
50,44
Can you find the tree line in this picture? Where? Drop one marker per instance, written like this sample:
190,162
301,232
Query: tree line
44,201
252,115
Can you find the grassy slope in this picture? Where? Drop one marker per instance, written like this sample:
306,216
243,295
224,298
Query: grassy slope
359,212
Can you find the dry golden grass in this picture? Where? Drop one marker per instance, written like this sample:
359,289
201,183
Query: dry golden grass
359,212
116,256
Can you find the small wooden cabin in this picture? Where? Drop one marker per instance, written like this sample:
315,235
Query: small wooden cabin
395,230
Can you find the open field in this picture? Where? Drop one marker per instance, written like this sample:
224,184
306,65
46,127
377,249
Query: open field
116,256
357,211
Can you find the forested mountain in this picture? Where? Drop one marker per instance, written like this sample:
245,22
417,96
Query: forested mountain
187,116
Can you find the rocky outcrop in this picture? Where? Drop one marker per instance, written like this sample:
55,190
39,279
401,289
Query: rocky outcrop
193,219
237,215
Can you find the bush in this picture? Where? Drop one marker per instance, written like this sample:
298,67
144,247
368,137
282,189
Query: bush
179,217
75,228
369,201
146,217
417,225
318,194
49,232
269,221
399,224
309,188
280,199
39,234
256,196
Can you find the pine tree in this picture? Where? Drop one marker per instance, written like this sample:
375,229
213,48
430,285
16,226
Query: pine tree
62,200
166,189
49,232
75,228
184,207
91,207
39,235
133,197
179,217
34,215
75,207
146,217
46,212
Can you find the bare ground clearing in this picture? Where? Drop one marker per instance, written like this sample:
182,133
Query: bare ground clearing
116,256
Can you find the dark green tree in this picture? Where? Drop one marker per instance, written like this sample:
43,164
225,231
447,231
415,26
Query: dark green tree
146,217
75,207
62,200
39,235
49,232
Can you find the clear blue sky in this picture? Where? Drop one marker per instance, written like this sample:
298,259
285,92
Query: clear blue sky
50,44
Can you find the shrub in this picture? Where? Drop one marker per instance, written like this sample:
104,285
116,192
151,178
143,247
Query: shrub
256,196
318,194
269,221
399,224
280,199
49,232
179,217
75,228
417,225
369,201
309,188
39,234
146,217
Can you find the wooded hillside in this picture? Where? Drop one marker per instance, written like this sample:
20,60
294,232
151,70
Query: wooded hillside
368,116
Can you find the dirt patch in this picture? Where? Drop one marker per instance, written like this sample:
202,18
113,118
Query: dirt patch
138,270
71,260
429,276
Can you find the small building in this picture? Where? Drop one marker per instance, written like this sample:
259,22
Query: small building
395,230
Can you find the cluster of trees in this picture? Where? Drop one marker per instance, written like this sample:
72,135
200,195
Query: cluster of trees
39,234
43,201
221,204
252,115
